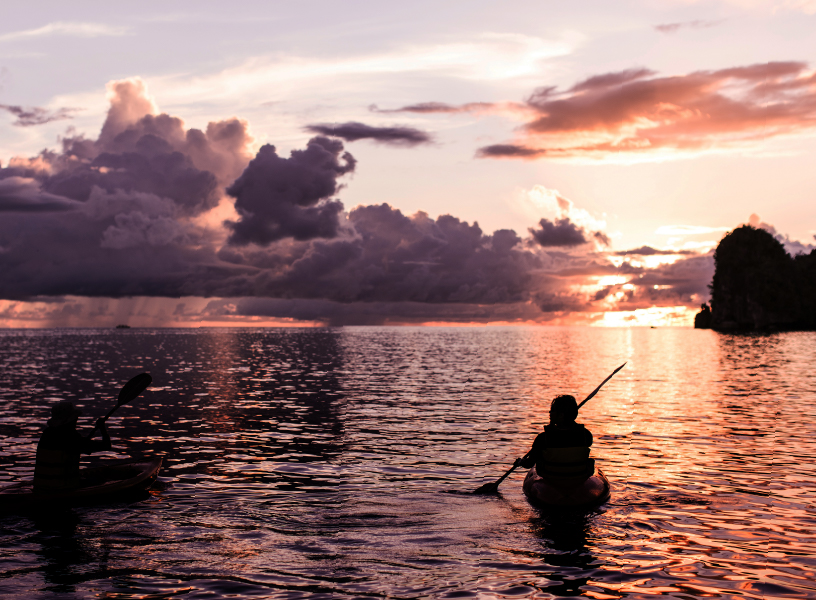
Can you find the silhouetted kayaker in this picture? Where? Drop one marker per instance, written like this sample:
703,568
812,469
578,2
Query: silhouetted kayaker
561,452
57,466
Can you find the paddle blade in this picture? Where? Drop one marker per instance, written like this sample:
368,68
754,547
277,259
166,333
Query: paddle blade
488,488
134,387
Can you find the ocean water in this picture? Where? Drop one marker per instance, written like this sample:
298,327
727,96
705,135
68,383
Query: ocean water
335,463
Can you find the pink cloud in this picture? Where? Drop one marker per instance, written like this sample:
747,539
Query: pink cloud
638,112
696,24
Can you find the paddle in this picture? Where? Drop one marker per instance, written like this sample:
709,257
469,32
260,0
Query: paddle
128,393
492,488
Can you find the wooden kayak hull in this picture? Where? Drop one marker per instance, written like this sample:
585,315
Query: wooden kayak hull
589,494
98,484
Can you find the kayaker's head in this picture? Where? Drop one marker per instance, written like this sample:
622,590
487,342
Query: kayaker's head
63,413
563,410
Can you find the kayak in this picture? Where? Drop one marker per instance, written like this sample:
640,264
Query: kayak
589,494
97,484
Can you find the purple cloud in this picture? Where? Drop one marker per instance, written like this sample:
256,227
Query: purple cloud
130,213
35,115
290,197
353,131
560,232
22,194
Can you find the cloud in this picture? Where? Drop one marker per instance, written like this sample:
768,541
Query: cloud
561,232
73,29
26,117
373,313
278,197
772,6
139,212
436,107
563,224
792,247
649,251
509,151
387,256
116,216
675,283
639,113
696,24
353,131
141,151
23,194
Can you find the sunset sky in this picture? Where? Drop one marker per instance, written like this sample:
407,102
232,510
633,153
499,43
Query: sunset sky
209,163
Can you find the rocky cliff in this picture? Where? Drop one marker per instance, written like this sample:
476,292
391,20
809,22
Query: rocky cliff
758,286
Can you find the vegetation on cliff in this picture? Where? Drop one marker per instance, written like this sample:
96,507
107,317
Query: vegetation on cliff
758,286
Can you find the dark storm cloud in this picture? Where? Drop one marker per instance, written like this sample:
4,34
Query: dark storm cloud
128,214
112,216
35,115
371,313
290,197
353,131
22,194
392,257
560,232
140,152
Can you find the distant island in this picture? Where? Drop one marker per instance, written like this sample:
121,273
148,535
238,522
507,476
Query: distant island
758,286
123,327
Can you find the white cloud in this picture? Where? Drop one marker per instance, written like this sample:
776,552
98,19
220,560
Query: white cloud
87,30
488,57
772,6
543,202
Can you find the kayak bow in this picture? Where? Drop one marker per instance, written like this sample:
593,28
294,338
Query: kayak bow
589,494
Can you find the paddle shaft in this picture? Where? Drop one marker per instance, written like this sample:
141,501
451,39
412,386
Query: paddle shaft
105,418
513,468
495,485
129,392
597,389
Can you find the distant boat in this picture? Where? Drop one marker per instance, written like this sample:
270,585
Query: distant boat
123,327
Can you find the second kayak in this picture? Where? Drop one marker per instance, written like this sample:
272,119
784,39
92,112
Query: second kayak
97,484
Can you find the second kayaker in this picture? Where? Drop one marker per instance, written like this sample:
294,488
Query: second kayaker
60,447
561,452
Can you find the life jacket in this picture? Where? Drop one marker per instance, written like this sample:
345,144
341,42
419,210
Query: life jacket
565,455
568,462
57,468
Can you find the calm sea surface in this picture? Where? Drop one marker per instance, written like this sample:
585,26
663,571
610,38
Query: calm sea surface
334,463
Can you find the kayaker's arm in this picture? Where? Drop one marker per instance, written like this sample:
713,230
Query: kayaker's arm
526,461
98,445
529,459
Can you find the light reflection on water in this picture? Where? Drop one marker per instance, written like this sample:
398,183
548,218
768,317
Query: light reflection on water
330,463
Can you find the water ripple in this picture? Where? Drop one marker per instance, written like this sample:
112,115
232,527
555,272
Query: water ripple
335,463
